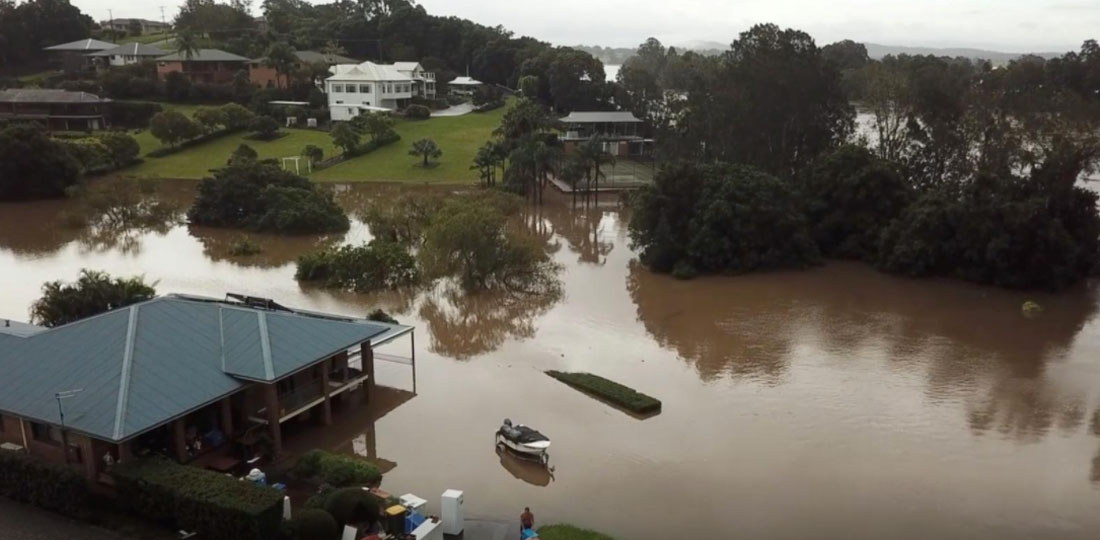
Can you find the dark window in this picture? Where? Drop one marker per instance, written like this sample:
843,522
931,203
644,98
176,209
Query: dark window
45,433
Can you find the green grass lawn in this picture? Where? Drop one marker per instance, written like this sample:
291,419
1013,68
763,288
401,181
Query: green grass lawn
196,161
157,39
458,136
569,532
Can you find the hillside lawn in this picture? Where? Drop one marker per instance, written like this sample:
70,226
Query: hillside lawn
458,136
197,161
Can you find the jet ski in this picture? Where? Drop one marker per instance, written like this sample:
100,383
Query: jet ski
523,441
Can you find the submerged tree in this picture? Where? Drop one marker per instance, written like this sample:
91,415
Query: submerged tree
260,196
92,293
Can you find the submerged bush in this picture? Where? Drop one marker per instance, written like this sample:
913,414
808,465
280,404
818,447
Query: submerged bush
377,265
262,197
623,396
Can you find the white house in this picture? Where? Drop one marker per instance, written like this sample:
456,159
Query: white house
423,81
353,88
464,86
131,53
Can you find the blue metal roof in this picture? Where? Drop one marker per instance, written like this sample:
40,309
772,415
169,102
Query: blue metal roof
143,365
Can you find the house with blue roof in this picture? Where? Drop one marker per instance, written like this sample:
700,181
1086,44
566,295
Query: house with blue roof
184,376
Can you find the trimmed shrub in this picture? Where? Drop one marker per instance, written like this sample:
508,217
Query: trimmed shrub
623,396
337,470
122,148
417,112
90,152
263,127
212,504
45,485
314,524
353,505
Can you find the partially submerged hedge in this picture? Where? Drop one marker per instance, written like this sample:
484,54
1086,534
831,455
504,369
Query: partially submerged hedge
609,390
214,505
337,470
45,485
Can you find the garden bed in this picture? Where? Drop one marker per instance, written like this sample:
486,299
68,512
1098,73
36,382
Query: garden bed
610,391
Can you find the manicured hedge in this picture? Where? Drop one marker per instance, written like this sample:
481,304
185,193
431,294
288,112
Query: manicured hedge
620,395
337,470
214,505
569,532
45,485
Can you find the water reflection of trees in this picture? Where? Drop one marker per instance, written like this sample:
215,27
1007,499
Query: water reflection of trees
582,229
463,324
969,341
109,214
275,250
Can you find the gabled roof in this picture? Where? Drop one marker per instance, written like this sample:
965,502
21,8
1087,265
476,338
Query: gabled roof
367,71
465,81
313,57
44,95
141,366
203,55
600,117
86,45
131,49
407,66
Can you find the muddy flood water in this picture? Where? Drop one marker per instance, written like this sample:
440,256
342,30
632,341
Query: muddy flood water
831,403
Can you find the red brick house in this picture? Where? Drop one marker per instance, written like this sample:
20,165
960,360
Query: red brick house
210,66
56,109
264,76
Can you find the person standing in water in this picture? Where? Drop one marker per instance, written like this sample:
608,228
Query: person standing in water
526,520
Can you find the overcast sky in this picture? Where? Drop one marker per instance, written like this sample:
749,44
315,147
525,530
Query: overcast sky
1006,25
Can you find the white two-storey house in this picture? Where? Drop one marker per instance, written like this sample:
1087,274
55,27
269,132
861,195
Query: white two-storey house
423,81
354,88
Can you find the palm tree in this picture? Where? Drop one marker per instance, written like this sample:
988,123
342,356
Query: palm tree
281,58
485,163
546,157
592,156
522,167
187,44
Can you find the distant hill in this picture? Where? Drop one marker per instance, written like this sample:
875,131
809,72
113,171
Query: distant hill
617,55
877,51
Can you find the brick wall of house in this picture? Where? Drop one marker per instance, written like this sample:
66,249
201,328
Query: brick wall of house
264,76
164,68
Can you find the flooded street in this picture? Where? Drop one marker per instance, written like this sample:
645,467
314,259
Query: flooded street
837,402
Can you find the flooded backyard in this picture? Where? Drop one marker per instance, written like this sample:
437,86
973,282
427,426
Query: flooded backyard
831,403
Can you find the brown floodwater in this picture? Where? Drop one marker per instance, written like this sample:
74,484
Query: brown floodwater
831,403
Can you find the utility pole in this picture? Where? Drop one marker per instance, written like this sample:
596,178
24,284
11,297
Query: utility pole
165,23
66,394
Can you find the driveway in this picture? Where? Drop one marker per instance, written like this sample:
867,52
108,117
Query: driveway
457,110
22,522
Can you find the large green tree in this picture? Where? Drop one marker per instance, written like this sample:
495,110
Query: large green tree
260,196
720,218
33,166
92,293
774,104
